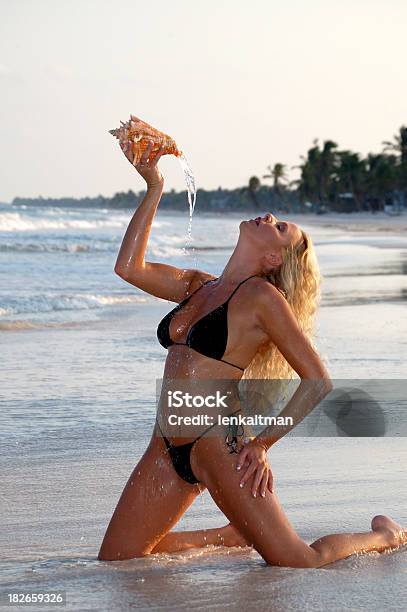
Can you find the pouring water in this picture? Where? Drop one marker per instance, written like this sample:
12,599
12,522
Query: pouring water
191,188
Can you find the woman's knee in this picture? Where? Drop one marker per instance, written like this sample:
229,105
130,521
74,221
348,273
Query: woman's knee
322,554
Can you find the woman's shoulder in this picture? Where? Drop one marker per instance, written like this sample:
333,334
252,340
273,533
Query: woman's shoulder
267,294
199,278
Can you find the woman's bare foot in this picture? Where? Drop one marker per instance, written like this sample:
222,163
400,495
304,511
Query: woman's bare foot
397,536
232,537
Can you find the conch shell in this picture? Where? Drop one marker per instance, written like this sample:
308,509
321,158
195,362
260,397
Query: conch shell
140,133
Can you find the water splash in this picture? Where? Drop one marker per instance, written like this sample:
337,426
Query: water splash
191,188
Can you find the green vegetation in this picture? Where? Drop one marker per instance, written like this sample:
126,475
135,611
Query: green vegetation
342,180
330,179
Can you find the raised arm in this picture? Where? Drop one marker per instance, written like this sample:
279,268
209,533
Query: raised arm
161,280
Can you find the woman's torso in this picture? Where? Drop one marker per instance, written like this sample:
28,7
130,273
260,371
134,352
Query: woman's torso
224,322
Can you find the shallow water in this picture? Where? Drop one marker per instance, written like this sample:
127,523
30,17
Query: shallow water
80,359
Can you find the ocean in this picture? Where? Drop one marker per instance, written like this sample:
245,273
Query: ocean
80,361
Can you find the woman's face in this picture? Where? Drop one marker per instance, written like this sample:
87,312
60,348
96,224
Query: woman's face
269,233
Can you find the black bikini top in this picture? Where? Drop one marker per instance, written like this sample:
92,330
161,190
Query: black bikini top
209,335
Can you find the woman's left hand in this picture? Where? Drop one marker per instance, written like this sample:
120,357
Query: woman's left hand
253,456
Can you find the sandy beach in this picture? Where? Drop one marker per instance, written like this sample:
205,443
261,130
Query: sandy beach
80,363
139,133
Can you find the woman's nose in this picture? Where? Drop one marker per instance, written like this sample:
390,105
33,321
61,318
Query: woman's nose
269,217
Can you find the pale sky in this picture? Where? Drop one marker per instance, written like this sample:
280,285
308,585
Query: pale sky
239,85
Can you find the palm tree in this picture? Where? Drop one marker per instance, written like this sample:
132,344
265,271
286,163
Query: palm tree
351,175
382,176
279,175
308,181
253,187
326,170
399,146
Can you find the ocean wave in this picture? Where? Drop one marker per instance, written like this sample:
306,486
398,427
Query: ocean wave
94,246
76,301
58,247
18,222
193,247
91,246
26,324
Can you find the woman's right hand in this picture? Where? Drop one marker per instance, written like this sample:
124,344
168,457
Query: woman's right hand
253,457
148,169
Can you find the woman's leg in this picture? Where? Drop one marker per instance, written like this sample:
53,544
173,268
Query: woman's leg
262,522
152,502
183,540
385,534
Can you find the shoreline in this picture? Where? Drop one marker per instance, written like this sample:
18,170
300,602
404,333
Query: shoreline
356,222
352,222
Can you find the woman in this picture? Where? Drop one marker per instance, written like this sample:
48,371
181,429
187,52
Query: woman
256,319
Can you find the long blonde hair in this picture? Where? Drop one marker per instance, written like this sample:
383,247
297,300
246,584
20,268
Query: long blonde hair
298,279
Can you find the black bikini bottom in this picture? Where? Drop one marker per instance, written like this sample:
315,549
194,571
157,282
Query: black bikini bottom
181,454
